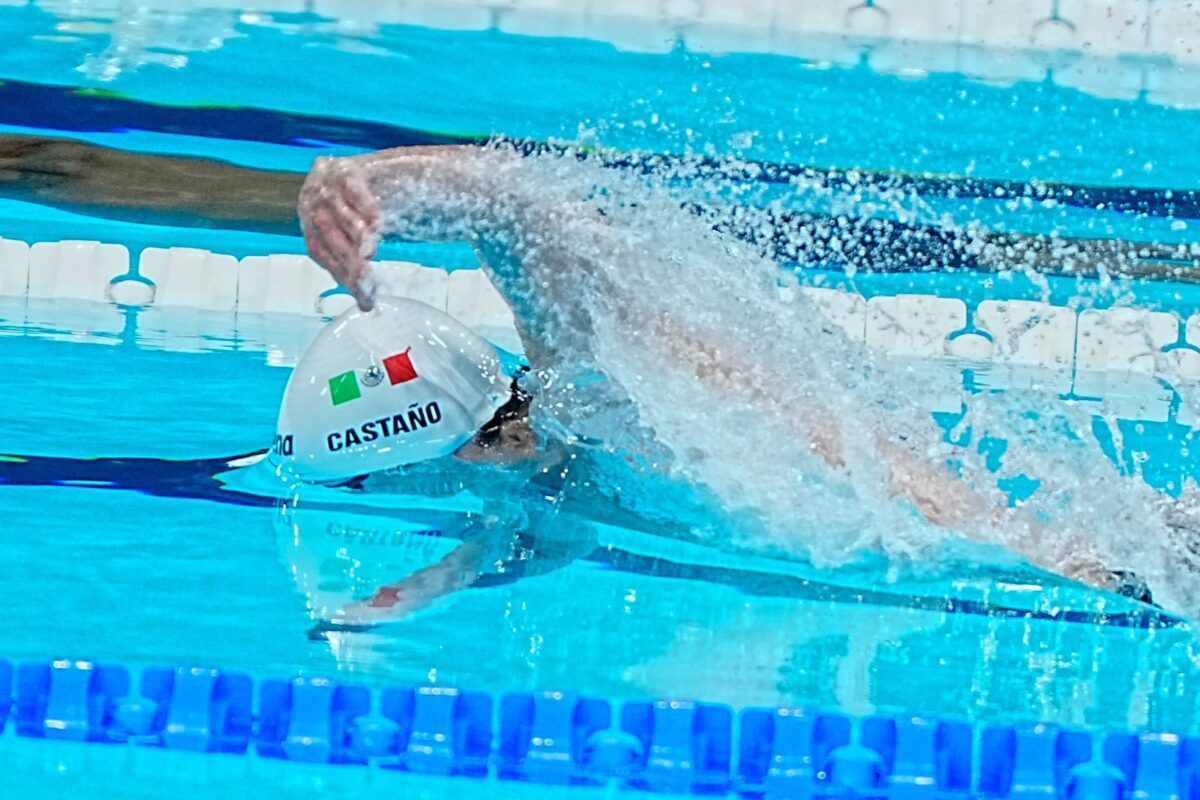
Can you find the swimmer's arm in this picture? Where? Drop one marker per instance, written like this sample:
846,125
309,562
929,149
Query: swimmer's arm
949,502
436,193
924,480
483,538
491,551
458,570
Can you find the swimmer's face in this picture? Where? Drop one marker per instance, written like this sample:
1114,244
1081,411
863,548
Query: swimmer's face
513,440
507,437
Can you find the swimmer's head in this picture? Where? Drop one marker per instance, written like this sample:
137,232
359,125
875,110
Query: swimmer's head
399,384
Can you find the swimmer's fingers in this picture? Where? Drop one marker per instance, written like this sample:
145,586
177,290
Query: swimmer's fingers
343,186
326,242
357,213
357,268
318,251
340,230
368,248
364,294
333,249
358,229
346,275
341,220
369,612
357,195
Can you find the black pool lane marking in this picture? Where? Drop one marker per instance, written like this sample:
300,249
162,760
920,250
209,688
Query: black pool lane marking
70,108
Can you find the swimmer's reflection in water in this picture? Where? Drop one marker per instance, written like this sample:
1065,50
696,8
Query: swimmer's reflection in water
140,187
374,563
497,512
482,555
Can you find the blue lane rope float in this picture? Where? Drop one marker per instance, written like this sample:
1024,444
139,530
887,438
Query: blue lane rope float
670,746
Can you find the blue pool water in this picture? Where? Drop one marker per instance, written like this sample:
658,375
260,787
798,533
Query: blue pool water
175,572
125,577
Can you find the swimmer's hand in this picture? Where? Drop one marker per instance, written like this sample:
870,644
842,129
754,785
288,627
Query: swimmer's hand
342,220
388,603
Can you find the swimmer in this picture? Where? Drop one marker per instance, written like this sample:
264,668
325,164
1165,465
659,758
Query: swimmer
597,335
210,193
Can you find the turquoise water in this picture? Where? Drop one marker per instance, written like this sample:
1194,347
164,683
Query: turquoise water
750,106
756,106
127,576
200,573
33,770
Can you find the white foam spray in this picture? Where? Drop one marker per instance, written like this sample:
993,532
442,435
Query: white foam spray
723,380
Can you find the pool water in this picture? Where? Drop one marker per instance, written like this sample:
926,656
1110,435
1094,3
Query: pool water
71,770
173,567
115,571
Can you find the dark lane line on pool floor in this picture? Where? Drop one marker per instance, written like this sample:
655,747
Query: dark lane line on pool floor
197,479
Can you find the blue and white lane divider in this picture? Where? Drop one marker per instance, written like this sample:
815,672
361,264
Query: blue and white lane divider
560,738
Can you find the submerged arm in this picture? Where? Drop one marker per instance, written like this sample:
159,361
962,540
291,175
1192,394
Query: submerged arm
493,552
923,480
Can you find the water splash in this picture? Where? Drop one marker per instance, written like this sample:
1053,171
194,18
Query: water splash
710,372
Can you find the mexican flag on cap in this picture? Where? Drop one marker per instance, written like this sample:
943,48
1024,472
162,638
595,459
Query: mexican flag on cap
346,387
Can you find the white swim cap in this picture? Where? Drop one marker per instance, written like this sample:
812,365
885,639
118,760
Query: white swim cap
401,383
